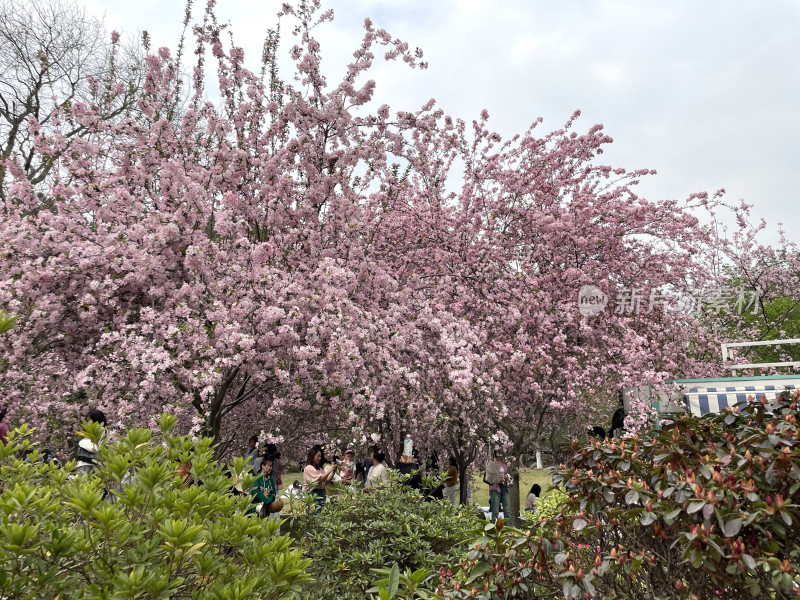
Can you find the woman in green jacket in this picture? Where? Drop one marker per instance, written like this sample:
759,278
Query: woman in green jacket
264,490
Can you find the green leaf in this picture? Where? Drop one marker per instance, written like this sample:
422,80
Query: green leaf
695,506
708,511
647,518
672,515
394,579
632,497
732,527
479,570
154,522
778,528
696,558
587,583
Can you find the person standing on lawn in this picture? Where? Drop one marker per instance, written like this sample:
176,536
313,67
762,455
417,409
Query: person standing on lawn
368,460
3,426
271,451
451,482
498,492
252,450
328,459
348,466
87,450
360,476
315,477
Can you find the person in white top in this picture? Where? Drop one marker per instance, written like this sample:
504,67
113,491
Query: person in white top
377,474
293,490
87,450
533,496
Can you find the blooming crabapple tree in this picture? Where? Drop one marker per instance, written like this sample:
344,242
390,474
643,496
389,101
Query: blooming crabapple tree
455,403
289,260
217,261
536,219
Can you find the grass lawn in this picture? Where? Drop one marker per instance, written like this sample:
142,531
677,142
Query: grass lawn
480,490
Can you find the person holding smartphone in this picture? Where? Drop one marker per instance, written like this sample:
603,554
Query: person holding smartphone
316,477
329,458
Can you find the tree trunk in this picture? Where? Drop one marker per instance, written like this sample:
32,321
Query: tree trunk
514,493
462,482
464,453
539,459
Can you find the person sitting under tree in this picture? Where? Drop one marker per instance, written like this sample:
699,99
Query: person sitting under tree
264,490
533,496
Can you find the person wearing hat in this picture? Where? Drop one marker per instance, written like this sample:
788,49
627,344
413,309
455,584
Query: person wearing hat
349,466
87,449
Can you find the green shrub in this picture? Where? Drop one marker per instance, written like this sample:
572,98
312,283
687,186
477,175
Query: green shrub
132,529
358,532
548,507
706,509
505,563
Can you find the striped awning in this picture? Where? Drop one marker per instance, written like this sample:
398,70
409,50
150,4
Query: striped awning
705,400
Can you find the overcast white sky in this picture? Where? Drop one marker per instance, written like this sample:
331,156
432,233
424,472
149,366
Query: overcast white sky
707,93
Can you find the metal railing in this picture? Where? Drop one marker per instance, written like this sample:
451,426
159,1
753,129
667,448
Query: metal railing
726,355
